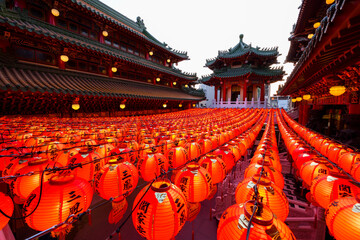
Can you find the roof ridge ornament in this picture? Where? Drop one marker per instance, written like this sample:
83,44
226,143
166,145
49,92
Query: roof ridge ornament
141,23
241,37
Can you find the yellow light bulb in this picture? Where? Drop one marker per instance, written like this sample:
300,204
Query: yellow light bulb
64,58
122,106
105,33
310,36
158,79
114,69
55,12
316,25
75,106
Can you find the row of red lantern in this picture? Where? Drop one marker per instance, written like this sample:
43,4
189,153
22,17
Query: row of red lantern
271,203
195,181
329,188
75,206
336,152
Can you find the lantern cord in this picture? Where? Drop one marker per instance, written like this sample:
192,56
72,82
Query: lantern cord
37,204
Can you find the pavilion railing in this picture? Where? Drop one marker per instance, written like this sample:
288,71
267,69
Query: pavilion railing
240,104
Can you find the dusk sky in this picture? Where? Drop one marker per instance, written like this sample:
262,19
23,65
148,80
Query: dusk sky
203,27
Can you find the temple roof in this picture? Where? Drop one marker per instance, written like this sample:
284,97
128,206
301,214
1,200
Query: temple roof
334,47
271,74
137,27
26,77
242,49
48,30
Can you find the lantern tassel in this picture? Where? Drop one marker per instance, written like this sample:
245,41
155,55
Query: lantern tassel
89,217
193,233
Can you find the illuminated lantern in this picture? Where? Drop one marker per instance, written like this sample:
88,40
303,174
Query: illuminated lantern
152,165
328,188
342,218
355,172
312,169
193,149
104,150
50,150
214,141
23,186
348,160
160,212
165,145
7,206
205,145
62,196
234,223
261,159
337,90
233,147
299,150
227,156
275,176
122,154
193,211
215,166
65,155
303,158
4,161
269,194
90,161
195,182
13,166
116,179
335,152
177,157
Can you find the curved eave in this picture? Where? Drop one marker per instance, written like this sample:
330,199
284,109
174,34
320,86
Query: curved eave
31,28
128,25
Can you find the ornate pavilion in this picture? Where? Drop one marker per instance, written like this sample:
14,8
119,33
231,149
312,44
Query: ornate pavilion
325,82
243,72
59,53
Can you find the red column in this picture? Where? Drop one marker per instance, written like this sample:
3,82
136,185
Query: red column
20,4
244,90
51,19
61,63
102,39
262,92
224,92
147,56
216,89
110,72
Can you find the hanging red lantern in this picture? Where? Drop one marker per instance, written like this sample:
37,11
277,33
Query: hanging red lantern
193,149
227,156
159,212
50,150
7,206
355,172
347,161
270,172
233,147
64,156
205,145
336,151
215,166
116,179
327,188
342,218
195,182
269,194
61,197
23,186
104,150
119,207
4,161
91,164
165,145
303,158
177,157
234,223
152,165
312,169
15,165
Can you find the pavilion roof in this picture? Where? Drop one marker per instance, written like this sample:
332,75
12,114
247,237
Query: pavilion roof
271,74
137,27
27,77
333,48
240,50
48,30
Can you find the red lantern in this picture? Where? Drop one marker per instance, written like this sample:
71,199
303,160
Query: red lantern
215,166
234,223
227,156
116,179
312,169
342,218
177,157
195,182
347,160
327,188
152,165
64,156
205,145
160,212
91,164
7,206
193,149
269,194
61,197
23,186
355,172
270,172
104,150
119,207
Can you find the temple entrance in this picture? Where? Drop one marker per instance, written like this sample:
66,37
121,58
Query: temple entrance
235,92
249,93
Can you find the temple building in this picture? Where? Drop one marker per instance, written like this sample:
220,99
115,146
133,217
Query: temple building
324,84
80,57
242,73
